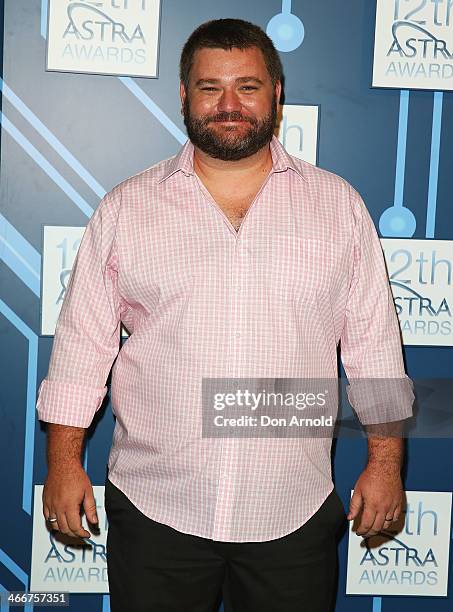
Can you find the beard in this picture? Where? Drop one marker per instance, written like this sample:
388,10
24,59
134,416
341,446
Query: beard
231,144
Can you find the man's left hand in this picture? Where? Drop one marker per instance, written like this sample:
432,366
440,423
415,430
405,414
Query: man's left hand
378,493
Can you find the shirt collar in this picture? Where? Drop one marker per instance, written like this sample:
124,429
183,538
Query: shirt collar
282,160
183,161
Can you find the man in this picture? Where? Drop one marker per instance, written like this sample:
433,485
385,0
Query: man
230,259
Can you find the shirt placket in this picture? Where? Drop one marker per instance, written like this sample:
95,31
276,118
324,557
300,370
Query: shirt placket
228,460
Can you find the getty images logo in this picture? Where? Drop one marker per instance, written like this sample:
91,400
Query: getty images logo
411,558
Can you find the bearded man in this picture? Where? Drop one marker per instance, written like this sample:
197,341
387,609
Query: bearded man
231,259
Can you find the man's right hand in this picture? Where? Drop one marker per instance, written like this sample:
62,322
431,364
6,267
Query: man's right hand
65,491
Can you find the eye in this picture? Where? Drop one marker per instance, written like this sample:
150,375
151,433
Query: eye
249,87
208,89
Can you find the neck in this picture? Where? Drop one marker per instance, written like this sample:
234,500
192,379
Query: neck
207,167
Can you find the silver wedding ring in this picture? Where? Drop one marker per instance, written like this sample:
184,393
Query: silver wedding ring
52,520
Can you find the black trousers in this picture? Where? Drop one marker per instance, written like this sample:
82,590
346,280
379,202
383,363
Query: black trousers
155,568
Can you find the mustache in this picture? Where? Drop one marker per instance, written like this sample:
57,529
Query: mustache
225,116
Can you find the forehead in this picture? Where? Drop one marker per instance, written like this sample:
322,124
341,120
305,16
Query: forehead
228,64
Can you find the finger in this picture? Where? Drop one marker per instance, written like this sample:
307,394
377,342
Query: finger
75,525
48,514
46,511
377,525
391,516
52,524
383,518
355,505
366,522
89,506
397,512
63,523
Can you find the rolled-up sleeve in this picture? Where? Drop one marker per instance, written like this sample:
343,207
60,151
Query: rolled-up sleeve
371,350
87,335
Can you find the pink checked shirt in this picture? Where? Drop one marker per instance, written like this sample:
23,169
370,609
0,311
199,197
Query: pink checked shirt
304,272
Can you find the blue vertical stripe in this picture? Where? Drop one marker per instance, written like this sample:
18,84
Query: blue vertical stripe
286,6
30,423
30,416
434,165
85,455
401,147
44,18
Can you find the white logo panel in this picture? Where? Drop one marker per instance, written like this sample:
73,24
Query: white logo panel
421,277
412,558
298,131
59,564
104,36
413,47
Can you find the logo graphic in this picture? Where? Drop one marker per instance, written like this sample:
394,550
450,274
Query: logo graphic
298,131
413,47
104,36
420,273
409,559
58,563
286,29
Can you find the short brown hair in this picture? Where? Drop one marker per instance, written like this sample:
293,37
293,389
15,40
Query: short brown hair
228,34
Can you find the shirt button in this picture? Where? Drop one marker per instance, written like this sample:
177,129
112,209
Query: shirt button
238,334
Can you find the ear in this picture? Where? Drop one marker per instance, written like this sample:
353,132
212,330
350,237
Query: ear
278,91
182,92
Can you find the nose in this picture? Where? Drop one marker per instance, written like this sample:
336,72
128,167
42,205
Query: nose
229,101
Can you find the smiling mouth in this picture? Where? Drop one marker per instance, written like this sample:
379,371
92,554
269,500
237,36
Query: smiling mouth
233,121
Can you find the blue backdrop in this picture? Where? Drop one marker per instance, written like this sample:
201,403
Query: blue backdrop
118,126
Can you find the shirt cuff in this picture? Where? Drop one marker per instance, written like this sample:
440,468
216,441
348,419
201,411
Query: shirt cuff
68,403
381,400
